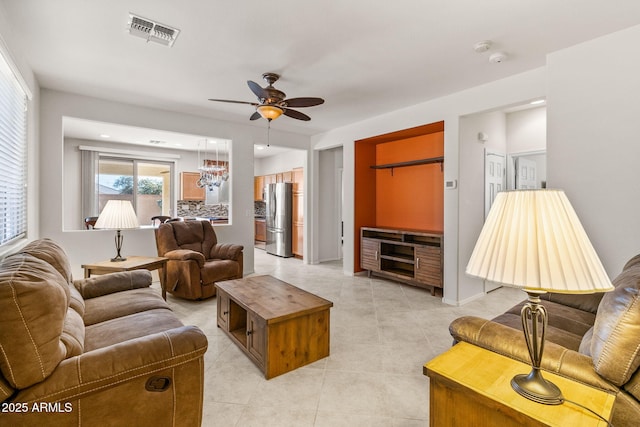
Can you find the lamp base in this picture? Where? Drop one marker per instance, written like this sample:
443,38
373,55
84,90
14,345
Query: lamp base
118,259
534,387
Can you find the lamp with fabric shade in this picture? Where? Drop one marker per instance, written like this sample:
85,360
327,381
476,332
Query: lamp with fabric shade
533,240
117,215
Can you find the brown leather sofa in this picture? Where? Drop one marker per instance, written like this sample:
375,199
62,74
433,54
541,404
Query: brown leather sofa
196,259
106,350
594,339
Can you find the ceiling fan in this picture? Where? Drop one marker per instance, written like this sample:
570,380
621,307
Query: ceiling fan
272,102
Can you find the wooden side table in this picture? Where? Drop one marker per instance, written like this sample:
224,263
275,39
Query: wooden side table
471,386
131,263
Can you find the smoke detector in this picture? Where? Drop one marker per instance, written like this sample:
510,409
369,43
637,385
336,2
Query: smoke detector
482,46
498,57
152,31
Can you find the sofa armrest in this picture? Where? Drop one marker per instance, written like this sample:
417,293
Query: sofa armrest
510,342
185,255
108,367
226,251
113,282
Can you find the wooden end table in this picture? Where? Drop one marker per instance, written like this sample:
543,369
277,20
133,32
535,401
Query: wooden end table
131,263
278,326
472,386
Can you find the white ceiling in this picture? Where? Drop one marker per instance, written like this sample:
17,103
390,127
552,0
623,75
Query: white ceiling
364,57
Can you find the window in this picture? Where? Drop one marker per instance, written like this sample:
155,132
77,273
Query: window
13,156
145,183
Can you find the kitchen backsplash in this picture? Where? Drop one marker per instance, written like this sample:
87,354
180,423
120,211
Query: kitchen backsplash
260,208
189,208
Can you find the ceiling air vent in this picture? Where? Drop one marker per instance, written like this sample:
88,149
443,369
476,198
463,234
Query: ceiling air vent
152,31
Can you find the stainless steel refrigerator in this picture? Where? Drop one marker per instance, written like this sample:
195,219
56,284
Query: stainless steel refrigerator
278,217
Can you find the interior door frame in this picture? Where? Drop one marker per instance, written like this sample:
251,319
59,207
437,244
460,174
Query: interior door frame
511,165
490,286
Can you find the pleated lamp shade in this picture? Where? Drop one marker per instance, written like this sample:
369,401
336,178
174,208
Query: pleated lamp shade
533,240
117,215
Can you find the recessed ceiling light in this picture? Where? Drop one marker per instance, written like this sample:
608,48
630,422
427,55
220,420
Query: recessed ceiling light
104,135
537,101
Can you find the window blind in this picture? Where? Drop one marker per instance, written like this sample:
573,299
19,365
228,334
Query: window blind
13,156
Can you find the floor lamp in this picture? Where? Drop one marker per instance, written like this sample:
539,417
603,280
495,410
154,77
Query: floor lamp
117,215
533,240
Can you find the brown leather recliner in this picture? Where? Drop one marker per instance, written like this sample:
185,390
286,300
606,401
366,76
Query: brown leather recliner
196,259
106,350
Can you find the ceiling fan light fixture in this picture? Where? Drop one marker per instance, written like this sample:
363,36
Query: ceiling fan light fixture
270,112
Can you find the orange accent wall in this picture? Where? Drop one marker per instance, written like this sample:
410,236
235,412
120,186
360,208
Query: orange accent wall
364,193
413,196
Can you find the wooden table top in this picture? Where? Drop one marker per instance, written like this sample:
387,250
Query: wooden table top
271,298
132,263
489,374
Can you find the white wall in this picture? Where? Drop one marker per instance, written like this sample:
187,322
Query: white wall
471,190
280,162
329,195
593,149
510,91
82,246
527,130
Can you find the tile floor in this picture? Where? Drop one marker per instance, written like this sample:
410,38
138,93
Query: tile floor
382,333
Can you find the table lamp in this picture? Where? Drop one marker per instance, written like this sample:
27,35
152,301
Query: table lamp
533,240
117,215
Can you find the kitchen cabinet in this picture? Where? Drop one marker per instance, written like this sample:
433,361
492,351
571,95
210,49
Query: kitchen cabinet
189,189
409,256
258,188
261,230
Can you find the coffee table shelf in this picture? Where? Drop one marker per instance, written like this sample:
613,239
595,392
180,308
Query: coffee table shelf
278,326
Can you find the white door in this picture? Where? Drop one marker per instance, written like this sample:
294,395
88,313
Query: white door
495,180
526,175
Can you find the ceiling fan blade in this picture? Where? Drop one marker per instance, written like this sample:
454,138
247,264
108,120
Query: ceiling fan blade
303,102
296,115
257,89
234,102
255,116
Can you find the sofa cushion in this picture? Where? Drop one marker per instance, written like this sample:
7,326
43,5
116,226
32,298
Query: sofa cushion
566,325
73,333
217,270
121,304
615,347
33,306
129,327
51,253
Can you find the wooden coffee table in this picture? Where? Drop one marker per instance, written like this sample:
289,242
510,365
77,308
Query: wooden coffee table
278,326
131,263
